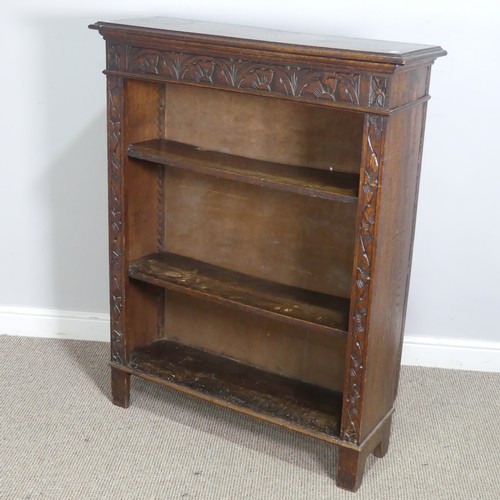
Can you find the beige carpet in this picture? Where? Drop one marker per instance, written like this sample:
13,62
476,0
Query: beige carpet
61,438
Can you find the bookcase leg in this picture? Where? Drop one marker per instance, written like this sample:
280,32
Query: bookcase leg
381,449
120,387
350,468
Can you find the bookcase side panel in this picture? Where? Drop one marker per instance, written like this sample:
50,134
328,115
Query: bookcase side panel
116,210
396,214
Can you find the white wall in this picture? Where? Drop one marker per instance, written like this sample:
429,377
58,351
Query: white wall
53,191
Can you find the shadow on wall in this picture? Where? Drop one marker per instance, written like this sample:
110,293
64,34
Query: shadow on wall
74,184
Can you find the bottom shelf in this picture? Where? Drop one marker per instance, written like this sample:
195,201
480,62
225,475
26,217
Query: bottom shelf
291,403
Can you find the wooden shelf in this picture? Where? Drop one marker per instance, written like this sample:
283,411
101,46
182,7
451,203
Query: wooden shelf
293,305
291,403
308,181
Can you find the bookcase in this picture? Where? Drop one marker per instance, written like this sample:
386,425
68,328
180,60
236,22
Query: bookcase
262,200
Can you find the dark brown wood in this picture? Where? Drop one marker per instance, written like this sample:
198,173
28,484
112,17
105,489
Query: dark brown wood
262,203
313,356
312,310
279,41
350,76
132,223
120,387
276,131
351,468
237,384
295,240
392,257
116,208
363,274
352,460
382,448
325,184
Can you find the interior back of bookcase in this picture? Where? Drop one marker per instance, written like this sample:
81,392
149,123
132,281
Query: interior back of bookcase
280,236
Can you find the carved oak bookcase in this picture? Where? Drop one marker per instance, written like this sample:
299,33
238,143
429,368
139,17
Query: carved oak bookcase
262,199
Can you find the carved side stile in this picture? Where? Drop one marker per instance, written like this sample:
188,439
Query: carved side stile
116,216
357,342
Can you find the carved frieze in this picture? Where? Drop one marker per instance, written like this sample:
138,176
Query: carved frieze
278,79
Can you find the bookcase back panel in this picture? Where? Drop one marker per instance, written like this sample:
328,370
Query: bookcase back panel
274,346
292,239
264,129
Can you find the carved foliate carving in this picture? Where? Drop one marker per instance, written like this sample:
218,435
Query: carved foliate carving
294,81
160,190
357,341
115,112
113,59
378,91
160,210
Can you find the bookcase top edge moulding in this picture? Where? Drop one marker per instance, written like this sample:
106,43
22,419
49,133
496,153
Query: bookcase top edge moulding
262,199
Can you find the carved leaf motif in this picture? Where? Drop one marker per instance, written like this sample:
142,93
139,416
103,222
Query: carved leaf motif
378,90
290,80
333,86
357,343
175,68
273,78
199,71
260,78
160,212
113,57
148,62
230,73
115,217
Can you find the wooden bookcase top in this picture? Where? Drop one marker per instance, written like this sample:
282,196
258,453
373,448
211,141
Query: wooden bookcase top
338,47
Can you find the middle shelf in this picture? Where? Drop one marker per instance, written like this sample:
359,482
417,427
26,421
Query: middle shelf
294,305
314,182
